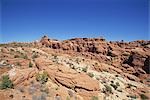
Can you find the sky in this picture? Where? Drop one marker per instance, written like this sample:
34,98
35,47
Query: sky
115,20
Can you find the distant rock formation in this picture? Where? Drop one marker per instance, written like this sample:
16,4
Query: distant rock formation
135,54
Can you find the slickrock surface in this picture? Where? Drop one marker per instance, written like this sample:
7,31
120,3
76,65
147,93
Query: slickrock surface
76,69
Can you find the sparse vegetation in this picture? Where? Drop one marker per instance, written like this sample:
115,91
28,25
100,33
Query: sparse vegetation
143,97
117,83
1,45
97,78
114,86
24,56
95,98
130,85
30,65
42,78
34,56
84,69
45,72
18,64
132,96
105,70
119,90
44,89
91,74
107,89
57,88
16,56
6,82
55,56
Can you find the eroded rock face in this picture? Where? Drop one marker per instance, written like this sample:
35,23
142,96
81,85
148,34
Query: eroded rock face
77,44
135,53
70,78
147,65
139,60
19,76
120,67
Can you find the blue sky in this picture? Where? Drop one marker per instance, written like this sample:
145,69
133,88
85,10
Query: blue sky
28,20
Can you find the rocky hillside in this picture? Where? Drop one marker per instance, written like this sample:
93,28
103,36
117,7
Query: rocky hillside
75,69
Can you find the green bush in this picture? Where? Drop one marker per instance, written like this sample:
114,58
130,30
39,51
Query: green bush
114,86
42,78
24,56
132,96
34,56
6,82
130,85
119,90
95,98
30,64
117,83
91,74
108,89
84,69
143,97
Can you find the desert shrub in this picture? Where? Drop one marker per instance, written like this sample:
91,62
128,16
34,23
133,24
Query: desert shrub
6,82
132,96
57,88
114,86
84,69
55,56
91,74
44,89
18,64
42,78
96,64
97,78
73,66
117,83
105,70
1,45
12,50
34,56
143,97
24,56
130,85
107,89
119,90
77,61
95,98
16,56
30,64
